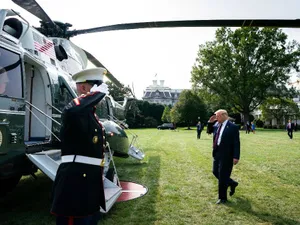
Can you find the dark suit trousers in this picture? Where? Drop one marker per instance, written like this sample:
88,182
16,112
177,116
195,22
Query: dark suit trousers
290,133
222,170
198,134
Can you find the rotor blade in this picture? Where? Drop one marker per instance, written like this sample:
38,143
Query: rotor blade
99,64
193,23
34,8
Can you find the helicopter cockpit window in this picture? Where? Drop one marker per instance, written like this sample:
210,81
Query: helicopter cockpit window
10,74
63,95
102,109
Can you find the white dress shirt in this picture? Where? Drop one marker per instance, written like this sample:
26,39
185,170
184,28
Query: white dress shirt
221,132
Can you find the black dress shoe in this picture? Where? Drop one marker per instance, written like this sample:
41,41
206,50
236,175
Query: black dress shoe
232,188
221,201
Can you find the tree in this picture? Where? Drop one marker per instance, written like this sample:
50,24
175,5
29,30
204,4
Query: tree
245,66
151,110
279,108
141,113
190,106
175,115
118,93
214,102
132,113
166,116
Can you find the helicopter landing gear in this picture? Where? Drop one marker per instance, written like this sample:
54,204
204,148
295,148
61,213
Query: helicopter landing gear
8,184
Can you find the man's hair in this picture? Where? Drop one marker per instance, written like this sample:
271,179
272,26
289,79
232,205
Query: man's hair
222,111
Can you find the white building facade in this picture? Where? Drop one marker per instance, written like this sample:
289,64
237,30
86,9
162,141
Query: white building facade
158,93
258,114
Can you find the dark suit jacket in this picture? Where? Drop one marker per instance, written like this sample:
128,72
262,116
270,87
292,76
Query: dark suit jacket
291,128
229,147
78,188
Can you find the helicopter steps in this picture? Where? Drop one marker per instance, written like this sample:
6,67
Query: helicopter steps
49,161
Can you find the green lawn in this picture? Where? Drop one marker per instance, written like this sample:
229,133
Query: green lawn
182,189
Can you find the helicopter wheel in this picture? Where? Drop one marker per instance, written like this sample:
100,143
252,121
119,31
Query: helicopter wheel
112,176
9,184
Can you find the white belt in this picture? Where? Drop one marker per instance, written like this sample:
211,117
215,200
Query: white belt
82,159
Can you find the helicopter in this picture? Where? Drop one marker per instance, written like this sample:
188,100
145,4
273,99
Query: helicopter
36,83
36,68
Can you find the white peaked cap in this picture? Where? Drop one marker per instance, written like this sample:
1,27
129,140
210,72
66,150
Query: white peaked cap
89,74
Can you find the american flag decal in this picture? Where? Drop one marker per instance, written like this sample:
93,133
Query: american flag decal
43,45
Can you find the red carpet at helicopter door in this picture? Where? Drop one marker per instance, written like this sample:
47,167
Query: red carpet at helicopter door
131,190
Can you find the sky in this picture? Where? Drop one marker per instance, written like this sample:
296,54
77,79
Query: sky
134,57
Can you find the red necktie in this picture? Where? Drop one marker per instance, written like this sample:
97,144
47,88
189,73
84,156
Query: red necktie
217,136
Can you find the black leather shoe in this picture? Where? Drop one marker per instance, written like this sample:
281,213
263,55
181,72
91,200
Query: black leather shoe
232,189
221,201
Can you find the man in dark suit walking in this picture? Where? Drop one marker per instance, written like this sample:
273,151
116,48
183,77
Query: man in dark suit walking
226,152
290,128
199,129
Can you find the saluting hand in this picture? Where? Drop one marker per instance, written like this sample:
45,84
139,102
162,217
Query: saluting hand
213,118
103,88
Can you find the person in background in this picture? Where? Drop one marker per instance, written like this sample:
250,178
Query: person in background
199,129
248,128
226,152
78,190
253,127
289,128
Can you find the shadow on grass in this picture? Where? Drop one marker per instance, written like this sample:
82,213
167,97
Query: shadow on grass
28,203
245,205
140,210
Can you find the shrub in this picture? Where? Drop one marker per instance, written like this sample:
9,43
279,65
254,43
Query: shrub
268,126
259,123
150,122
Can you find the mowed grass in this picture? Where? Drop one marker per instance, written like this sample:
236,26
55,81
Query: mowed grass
182,190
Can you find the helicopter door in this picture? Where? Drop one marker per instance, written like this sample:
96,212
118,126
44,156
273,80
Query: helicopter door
37,92
12,107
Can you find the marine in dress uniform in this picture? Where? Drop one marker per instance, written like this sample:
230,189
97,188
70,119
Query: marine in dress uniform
78,189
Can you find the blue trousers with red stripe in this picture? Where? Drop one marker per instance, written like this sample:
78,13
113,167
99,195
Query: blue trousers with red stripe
90,220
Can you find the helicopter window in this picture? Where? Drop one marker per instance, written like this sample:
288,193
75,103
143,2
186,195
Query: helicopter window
10,74
102,109
52,61
13,27
62,95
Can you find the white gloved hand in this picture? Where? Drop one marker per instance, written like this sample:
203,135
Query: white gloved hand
103,88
